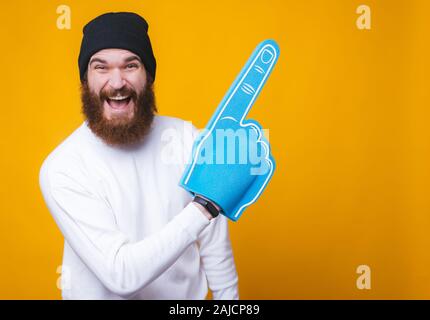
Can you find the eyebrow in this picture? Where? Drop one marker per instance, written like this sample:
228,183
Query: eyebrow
131,58
128,59
97,60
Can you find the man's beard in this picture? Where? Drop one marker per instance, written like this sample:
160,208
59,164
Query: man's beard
120,130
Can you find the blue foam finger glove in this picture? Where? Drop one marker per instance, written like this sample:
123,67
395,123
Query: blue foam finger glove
231,163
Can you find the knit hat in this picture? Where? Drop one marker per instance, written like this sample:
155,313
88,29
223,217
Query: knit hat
122,30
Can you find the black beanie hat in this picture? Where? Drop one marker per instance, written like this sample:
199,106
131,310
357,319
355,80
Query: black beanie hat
122,30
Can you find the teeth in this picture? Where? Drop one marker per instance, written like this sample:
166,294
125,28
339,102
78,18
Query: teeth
118,98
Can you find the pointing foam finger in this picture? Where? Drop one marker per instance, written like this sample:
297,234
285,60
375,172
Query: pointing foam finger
245,89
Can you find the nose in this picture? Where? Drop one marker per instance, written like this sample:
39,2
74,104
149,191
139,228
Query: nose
116,80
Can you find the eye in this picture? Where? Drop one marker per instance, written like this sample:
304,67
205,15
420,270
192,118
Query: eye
99,67
132,66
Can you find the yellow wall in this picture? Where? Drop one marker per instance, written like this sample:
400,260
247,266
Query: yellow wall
347,110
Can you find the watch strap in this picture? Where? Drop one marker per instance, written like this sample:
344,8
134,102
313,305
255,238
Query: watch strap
208,205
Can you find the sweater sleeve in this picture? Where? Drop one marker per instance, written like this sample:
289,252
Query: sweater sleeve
217,259
215,248
88,224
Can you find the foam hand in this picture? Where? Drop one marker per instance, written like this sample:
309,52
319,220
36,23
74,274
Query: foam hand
231,163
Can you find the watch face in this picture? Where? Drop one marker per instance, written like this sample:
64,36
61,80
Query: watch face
201,200
208,206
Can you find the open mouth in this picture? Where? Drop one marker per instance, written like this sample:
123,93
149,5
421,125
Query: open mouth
118,102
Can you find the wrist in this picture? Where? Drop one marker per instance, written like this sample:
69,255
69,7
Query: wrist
209,207
203,210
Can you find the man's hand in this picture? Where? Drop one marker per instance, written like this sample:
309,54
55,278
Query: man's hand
232,174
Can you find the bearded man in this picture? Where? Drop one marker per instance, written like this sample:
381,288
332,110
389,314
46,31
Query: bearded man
131,232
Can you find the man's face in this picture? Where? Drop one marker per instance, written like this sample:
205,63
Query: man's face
117,96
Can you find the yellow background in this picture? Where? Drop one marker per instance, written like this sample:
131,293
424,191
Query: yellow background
348,114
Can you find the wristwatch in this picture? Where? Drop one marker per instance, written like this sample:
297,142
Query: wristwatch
208,205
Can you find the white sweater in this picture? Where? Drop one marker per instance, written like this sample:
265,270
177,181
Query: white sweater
130,231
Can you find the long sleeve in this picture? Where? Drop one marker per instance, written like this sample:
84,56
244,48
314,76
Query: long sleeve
215,247
217,259
88,224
